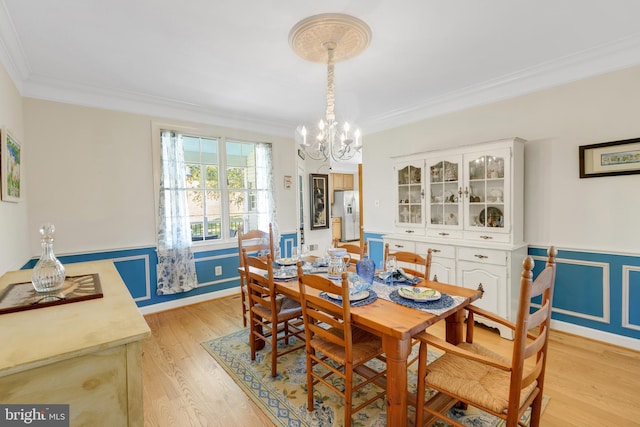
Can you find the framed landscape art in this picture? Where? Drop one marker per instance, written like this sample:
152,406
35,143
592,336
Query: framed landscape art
610,158
10,164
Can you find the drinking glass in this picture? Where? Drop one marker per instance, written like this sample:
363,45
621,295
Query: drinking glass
391,265
304,251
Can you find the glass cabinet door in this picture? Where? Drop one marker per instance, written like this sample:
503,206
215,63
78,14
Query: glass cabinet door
444,192
485,191
410,193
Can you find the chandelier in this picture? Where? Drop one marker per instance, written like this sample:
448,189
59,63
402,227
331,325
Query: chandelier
329,37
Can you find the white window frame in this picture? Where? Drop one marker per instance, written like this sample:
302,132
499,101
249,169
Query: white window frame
203,132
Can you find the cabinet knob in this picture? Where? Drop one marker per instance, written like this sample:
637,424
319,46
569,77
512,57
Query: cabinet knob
435,251
443,234
486,237
480,256
399,246
409,231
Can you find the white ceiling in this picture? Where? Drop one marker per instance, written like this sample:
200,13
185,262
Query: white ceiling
229,62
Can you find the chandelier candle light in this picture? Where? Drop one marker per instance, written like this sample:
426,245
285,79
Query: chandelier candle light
329,37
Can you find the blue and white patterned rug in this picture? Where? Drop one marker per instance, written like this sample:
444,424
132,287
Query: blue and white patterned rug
284,398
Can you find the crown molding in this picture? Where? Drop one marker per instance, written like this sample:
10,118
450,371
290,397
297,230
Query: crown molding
601,59
11,53
118,100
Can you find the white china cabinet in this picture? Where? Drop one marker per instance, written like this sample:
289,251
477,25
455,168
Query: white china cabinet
410,196
473,209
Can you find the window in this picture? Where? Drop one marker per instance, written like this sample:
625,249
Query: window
228,185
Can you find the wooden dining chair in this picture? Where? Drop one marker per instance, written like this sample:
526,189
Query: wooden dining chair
352,249
476,376
411,262
255,242
272,317
335,345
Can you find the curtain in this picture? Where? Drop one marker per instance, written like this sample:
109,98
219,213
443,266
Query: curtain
266,187
176,268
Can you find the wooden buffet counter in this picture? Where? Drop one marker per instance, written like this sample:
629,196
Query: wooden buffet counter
87,354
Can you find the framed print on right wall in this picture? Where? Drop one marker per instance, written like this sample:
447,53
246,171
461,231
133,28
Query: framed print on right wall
10,165
610,158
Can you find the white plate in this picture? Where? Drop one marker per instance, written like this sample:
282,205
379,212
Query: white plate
287,261
284,274
419,294
355,297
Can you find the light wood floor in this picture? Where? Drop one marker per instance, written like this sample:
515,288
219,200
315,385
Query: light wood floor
590,383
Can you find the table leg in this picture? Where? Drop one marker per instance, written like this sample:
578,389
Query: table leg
455,328
397,352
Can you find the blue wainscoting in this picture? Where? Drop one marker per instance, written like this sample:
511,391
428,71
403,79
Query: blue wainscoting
138,270
594,291
376,248
597,293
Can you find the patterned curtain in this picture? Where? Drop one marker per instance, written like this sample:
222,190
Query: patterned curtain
266,188
176,267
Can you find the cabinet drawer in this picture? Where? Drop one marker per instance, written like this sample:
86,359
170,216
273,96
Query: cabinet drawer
444,234
416,231
396,245
485,256
487,237
439,251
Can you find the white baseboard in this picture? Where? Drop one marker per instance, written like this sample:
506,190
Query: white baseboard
189,300
619,340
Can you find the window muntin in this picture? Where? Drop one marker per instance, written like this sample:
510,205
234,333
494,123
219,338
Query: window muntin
228,186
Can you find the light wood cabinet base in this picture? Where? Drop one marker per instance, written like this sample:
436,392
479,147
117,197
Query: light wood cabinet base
101,388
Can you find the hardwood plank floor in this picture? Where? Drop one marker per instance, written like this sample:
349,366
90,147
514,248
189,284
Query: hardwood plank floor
590,383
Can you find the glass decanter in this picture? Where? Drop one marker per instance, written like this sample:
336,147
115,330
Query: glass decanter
48,274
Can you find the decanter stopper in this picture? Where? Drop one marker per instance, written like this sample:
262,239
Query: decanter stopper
48,274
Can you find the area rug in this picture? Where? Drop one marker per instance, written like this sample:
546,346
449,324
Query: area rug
284,398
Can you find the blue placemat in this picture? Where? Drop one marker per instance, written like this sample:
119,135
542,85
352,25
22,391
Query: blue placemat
397,281
368,300
445,301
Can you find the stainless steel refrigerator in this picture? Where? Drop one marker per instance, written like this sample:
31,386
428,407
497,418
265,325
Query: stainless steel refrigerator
346,206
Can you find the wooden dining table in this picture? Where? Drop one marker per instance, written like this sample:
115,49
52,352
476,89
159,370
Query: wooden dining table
396,324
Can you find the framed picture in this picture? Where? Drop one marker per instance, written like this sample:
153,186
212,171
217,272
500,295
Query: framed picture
10,163
319,186
610,158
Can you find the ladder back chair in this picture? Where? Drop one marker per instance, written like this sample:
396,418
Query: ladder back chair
474,375
255,242
420,266
360,251
272,317
331,338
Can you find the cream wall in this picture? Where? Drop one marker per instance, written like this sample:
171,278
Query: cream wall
560,208
90,169
91,175
14,244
